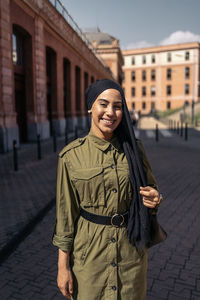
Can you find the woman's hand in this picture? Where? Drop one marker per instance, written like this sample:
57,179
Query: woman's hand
65,282
150,196
64,278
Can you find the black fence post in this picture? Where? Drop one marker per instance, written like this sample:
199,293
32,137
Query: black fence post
15,155
54,142
186,131
157,136
38,147
177,129
174,125
181,131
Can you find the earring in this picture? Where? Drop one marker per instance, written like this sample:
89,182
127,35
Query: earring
89,111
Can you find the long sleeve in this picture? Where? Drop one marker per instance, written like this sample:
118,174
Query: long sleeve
67,208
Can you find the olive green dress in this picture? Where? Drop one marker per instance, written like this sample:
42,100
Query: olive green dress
94,173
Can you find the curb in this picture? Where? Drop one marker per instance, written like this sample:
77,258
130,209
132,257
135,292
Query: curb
7,250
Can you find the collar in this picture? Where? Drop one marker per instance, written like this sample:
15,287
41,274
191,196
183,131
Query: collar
103,144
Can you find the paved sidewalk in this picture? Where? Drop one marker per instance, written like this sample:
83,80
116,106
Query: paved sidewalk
174,266
27,194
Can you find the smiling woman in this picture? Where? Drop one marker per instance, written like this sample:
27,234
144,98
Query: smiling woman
105,190
106,113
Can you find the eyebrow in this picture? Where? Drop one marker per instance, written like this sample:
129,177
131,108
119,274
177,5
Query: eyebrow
117,101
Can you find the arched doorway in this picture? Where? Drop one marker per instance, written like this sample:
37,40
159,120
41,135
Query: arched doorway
51,73
22,65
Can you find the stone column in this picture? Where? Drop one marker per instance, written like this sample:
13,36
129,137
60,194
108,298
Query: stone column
8,125
58,113
72,120
42,124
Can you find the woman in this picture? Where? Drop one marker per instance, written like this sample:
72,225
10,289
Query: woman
106,193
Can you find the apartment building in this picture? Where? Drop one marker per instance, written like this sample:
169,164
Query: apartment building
162,77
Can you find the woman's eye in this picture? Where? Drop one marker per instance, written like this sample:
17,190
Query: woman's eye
103,104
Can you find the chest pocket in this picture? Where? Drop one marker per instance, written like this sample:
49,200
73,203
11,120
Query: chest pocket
124,180
90,186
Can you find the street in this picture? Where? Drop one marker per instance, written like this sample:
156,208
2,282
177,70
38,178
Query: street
174,266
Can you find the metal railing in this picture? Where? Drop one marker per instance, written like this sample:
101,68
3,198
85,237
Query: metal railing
63,11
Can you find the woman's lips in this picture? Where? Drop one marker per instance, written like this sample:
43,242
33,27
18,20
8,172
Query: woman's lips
108,122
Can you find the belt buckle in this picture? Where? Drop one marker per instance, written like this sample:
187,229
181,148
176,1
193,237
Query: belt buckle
112,219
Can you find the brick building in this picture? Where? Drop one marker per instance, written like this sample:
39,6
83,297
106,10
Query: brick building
163,77
108,48
46,63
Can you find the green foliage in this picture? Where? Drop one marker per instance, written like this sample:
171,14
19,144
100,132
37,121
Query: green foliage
166,113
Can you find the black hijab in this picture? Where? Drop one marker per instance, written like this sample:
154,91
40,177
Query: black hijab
138,227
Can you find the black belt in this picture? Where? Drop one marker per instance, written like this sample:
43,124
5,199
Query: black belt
116,220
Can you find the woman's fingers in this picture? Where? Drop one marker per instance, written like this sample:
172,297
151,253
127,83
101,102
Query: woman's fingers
70,286
149,192
150,196
65,282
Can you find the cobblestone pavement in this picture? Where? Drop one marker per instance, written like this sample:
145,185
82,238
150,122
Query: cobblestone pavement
28,193
174,266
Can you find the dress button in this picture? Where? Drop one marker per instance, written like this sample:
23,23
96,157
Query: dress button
114,191
114,288
112,166
113,264
113,240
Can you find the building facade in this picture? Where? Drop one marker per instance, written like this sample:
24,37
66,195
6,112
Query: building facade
108,48
45,67
162,78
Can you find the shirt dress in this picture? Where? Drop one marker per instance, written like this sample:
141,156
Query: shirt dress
94,173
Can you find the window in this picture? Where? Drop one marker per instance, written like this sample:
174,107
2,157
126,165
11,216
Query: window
143,105
187,89
169,90
133,91
18,49
153,74
133,105
153,90
169,74
153,58
133,60
143,75
144,91
187,73
168,104
144,59
169,57
133,76
187,55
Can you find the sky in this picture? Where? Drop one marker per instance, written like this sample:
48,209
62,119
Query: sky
140,23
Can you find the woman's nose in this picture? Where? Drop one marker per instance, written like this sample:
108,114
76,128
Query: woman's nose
110,110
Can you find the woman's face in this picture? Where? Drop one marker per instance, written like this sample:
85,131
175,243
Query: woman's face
106,113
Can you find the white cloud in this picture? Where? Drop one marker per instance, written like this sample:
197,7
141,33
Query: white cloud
179,37
140,44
